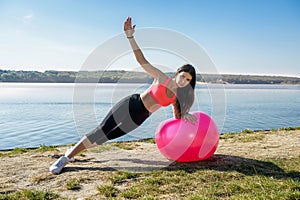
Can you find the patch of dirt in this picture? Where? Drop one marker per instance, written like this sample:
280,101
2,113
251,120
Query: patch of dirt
92,169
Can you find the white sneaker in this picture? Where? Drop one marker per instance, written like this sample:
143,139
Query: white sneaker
56,167
68,152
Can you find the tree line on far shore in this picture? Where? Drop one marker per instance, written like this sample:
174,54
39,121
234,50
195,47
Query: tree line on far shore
121,76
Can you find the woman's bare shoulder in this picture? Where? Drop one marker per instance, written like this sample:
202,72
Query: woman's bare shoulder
161,78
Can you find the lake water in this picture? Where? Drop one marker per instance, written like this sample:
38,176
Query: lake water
34,114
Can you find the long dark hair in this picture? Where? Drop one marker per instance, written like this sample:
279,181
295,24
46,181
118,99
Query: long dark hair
185,96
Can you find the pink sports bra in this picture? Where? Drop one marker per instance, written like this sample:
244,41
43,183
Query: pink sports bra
159,93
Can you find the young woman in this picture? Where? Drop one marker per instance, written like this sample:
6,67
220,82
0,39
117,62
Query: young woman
130,112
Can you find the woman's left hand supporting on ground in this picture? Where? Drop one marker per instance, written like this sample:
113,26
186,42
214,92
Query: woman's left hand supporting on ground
192,118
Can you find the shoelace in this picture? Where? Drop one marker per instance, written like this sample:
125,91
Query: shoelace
61,162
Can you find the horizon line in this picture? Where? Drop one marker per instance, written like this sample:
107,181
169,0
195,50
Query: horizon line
225,73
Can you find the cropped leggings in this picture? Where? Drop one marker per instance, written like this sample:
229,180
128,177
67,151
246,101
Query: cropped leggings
128,114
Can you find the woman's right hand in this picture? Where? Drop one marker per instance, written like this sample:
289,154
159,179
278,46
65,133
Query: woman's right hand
128,28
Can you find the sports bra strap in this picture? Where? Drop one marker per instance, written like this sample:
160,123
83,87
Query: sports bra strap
166,81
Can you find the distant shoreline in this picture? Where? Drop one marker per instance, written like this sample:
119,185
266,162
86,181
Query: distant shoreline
121,76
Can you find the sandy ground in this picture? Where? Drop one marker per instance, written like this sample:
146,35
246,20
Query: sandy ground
30,170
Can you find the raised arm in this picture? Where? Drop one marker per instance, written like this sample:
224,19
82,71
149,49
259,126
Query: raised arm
151,70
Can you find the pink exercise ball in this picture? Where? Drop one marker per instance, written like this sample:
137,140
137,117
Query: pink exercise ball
182,141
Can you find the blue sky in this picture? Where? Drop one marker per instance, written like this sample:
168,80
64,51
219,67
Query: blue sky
241,36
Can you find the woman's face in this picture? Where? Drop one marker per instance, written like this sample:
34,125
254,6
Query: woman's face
183,79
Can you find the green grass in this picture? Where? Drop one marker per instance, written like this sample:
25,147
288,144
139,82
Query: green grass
30,195
122,176
290,128
73,184
249,135
107,190
17,151
246,135
243,179
44,148
102,148
220,177
122,145
149,140
125,145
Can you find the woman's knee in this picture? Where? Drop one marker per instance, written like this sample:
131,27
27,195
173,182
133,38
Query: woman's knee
97,136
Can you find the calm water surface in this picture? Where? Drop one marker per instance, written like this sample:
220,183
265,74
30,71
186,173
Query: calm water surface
34,114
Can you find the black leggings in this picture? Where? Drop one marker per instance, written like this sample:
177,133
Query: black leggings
125,116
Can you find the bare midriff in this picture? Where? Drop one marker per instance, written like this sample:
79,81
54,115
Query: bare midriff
149,102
